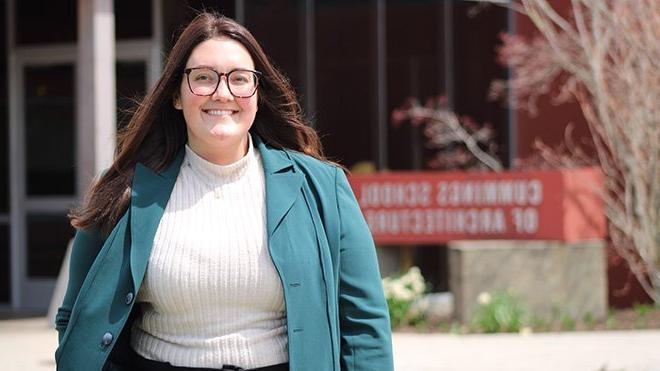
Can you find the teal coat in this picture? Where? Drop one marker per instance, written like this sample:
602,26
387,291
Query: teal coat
319,243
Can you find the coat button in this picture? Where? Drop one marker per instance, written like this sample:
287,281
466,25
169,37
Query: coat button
107,339
129,298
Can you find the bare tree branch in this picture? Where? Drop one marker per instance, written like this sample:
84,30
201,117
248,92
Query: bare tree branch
445,130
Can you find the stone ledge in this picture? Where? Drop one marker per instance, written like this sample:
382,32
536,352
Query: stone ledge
549,276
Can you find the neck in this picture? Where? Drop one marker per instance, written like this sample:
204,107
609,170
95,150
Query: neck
223,154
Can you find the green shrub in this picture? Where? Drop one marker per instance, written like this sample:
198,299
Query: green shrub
589,320
501,311
642,309
611,321
567,322
401,291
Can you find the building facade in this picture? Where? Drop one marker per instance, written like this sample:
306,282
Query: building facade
72,70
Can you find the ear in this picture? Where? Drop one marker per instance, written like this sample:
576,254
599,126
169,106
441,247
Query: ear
176,101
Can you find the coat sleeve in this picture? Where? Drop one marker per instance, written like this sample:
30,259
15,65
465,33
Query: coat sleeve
366,340
86,245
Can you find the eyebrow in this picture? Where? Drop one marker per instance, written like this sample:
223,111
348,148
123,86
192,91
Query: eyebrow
202,66
214,69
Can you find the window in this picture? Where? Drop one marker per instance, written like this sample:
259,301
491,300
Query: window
49,130
177,14
284,47
4,118
415,69
5,287
131,83
48,236
46,21
346,79
132,19
475,39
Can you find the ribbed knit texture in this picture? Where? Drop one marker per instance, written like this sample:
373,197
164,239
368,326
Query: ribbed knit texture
211,294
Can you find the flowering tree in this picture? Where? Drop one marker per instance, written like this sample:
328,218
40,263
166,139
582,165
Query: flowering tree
460,142
605,54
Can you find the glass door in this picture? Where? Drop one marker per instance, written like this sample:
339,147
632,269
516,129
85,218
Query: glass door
49,170
39,184
47,163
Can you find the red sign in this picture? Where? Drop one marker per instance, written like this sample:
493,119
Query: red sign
434,207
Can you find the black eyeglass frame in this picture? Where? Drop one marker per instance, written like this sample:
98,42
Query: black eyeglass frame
257,74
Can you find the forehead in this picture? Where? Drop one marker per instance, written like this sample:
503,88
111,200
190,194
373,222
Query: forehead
220,53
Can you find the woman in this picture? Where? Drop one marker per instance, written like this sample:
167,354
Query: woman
220,238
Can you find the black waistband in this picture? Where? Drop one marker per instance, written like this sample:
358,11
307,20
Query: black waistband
143,364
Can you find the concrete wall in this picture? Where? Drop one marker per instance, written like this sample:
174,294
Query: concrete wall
550,277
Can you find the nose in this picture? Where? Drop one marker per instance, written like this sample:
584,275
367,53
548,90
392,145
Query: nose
222,92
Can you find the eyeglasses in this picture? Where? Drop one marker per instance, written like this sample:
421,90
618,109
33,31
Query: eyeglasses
204,81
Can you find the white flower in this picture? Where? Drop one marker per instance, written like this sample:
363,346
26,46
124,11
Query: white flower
418,287
525,331
387,287
414,281
401,292
407,287
484,298
414,273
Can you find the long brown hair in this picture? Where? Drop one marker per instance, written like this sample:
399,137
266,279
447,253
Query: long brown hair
157,131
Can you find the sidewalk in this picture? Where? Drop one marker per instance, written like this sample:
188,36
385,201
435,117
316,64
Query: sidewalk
570,351
29,344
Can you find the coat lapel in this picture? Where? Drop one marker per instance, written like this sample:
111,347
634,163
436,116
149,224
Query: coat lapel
282,183
149,195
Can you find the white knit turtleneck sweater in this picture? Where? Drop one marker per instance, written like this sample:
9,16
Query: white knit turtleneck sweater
211,294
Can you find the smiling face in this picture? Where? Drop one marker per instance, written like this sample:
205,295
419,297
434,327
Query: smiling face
218,124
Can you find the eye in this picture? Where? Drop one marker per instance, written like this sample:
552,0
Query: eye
241,77
203,76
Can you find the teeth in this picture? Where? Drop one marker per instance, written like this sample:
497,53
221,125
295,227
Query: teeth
219,112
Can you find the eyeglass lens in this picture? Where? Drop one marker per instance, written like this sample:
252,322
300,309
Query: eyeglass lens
205,81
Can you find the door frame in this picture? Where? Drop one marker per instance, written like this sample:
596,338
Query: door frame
28,293
31,294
